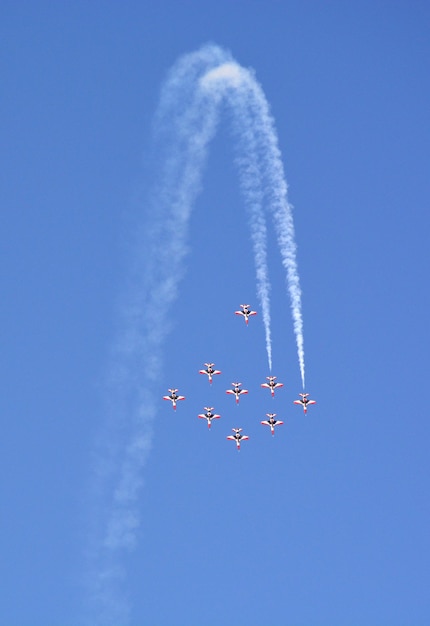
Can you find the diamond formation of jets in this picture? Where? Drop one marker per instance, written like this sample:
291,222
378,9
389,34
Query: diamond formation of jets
237,437
246,312
272,385
304,401
210,371
272,422
236,390
173,397
209,416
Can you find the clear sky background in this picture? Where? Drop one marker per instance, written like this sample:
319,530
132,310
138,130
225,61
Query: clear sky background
326,523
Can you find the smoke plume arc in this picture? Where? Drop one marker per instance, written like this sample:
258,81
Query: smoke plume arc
185,123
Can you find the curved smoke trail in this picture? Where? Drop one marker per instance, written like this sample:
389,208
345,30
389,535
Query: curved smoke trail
185,123
264,179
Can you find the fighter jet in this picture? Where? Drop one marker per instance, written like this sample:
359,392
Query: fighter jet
209,416
246,312
304,402
173,397
210,371
237,437
271,384
236,390
272,422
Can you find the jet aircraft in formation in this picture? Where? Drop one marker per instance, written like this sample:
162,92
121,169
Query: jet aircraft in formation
304,401
272,385
272,422
209,416
210,371
246,312
237,391
237,437
173,397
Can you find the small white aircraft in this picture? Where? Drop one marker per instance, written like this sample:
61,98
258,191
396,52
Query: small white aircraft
237,437
271,384
210,371
237,391
209,416
246,312
272,422
305,402
173,397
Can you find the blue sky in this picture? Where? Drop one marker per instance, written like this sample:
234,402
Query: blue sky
326,523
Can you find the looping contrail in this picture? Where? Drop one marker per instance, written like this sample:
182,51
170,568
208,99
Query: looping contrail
263,183
185,122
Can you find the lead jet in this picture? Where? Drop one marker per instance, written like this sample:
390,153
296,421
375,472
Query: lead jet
209,416
272,422
210,371
237,391
246,312
271,384
237,437
304,401
173,397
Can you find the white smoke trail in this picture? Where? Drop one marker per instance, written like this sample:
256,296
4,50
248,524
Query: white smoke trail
208,76
252,188
185,122
152,289
263,175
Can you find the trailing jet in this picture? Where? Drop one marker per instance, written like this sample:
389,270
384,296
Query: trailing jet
209,416
246,312
237,391
272,422
271,384
173,397
304,402
237,437
210,371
